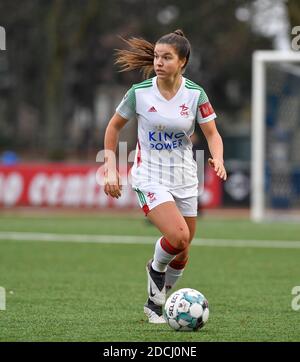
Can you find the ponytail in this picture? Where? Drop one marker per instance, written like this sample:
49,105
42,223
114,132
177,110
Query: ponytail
141,56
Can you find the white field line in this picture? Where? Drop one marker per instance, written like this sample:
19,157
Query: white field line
119,239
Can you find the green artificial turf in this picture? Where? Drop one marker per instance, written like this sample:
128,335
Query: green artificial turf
59,291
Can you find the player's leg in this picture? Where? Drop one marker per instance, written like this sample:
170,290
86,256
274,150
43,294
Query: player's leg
176,235
176,267
167,218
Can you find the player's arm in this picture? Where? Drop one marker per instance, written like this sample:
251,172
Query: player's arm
215,145
112,180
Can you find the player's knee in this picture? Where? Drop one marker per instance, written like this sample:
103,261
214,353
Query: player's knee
184,240
180,239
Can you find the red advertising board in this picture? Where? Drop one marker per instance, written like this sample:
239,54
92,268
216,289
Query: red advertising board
64,185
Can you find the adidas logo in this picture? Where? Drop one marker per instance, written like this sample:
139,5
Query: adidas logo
152,109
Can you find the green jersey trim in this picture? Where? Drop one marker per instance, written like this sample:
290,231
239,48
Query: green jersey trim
141,197
202,97
145,84
191,85
131,98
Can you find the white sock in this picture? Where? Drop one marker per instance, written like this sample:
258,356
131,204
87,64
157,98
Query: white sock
164,253
174,272
172,276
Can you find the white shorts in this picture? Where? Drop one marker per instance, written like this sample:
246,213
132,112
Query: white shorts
154,195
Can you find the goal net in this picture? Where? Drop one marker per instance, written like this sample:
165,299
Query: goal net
275,139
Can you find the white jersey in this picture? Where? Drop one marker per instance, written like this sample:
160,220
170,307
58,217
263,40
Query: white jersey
164,148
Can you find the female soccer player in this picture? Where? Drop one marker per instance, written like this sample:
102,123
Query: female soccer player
164,174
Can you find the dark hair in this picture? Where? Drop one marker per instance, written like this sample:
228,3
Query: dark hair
141,55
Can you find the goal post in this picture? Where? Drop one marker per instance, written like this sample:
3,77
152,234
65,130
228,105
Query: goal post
284,63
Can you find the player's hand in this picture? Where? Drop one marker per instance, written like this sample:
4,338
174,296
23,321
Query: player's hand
218,166
112,184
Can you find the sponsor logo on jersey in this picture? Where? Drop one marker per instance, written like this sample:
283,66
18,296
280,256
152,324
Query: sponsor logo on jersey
160,140
206,110
152,109
184,110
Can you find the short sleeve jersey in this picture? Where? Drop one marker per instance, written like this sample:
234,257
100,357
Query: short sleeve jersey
164,148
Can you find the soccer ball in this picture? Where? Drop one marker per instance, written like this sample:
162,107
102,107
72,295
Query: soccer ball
186,310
